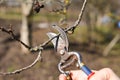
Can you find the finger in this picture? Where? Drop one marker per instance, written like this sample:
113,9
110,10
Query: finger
78,75
109,74
62,77
102,74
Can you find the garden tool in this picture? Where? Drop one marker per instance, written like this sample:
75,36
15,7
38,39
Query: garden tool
61,45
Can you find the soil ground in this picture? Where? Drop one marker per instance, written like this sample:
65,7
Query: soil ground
11,57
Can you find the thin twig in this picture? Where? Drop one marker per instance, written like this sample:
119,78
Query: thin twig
24,68
10,32
77,22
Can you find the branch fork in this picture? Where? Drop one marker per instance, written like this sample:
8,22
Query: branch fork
40,47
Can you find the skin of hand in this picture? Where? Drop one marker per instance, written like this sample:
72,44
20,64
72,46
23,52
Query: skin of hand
103,74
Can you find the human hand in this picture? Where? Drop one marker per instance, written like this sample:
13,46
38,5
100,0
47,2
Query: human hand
103,74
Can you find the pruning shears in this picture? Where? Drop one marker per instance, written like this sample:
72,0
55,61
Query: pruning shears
61,45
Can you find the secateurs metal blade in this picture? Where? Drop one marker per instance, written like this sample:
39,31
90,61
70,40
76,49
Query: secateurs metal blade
61,45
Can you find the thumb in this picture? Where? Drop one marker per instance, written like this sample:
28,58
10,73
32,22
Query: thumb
102,74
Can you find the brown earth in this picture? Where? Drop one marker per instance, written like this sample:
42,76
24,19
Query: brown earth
11,57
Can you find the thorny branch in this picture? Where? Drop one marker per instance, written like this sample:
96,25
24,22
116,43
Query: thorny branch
40,47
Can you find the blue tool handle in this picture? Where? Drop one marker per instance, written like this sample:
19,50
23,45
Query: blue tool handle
87,71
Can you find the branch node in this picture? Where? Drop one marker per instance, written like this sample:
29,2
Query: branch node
36,49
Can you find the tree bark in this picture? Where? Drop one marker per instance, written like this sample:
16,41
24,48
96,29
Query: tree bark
26,31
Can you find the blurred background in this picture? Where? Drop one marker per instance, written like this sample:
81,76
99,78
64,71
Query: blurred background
97,37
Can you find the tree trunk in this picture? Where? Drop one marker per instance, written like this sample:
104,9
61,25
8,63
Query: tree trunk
111,44
26,24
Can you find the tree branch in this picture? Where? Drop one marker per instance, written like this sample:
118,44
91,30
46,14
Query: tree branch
77,22
24,68
40,48
10,32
